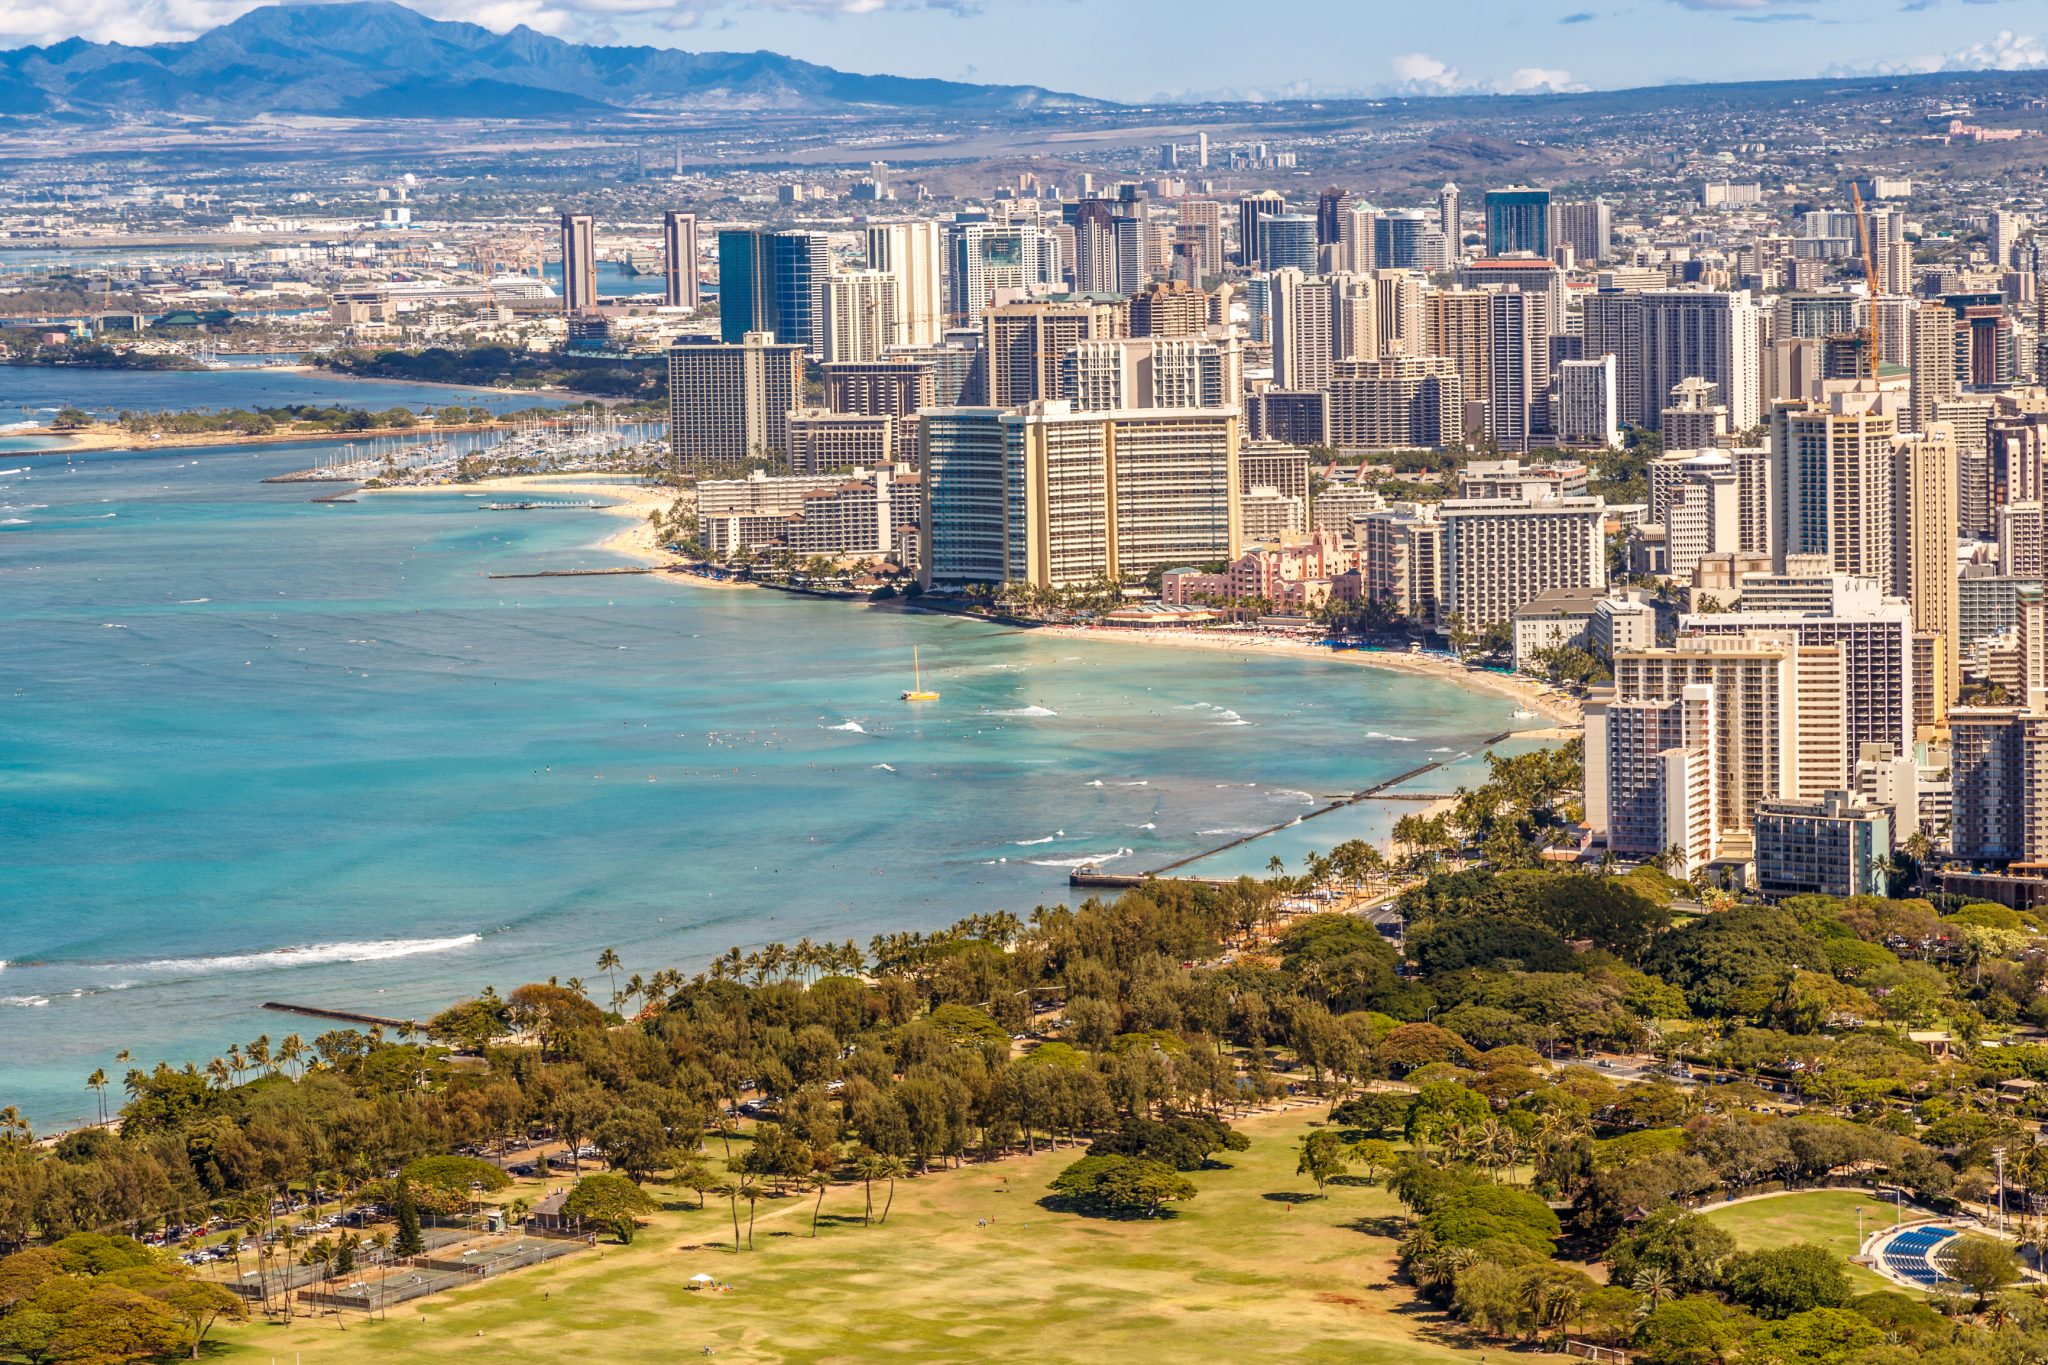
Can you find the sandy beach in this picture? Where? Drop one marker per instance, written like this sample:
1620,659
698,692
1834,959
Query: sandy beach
626,498
1526,693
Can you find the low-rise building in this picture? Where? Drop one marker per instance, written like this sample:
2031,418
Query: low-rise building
1838,845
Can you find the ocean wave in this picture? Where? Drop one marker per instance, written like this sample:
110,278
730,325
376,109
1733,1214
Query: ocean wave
1143,782
1096,783
883,766
27,1002
1289,794
1027,843
1441,749
1087,860
308,955
1230,829
1148,825
852,727
1029,711
14,521
1391,739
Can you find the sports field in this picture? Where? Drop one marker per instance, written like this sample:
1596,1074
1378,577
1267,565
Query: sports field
1823,1217
969,1266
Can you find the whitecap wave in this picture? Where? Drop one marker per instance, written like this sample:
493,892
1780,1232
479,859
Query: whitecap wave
14,521
1087,860
307,955
1230,829
1289,794
883,766
192,601
1441,749
1148,825
1142,782
1391,739
1027,843
1029,711
1096,783
852,727
27,1002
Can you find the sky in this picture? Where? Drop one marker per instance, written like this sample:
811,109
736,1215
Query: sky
1136,50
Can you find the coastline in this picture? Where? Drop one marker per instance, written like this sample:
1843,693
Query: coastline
106,437
1526,693
628,499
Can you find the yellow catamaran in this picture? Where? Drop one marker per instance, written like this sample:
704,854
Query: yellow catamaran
917,692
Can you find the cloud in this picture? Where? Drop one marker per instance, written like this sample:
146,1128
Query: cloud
1584,16
1424,74
1531,80
2003,51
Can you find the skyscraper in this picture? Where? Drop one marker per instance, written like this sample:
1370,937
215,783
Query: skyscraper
1303,330
1588,228
1517,220
1331,205
1287,241
1924,555
860,320
1518,369
679,259
1447,217
1704,334
1250,209
773,282
1835,483
729,405
579,263
909,254
983,257
1027,344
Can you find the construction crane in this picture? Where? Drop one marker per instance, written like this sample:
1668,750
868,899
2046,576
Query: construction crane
1870,281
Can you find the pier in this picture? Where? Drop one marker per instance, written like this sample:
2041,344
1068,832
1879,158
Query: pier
340,1016
576,573
1123,881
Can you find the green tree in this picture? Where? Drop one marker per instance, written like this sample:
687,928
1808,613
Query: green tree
1984,1265
407,1213
1777,1282
1322,1158
609,1200
1122,1185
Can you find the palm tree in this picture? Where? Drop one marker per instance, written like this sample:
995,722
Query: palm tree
868,1167
726,1189
893,1170
1654,1284
97,1083
608,962
819,1182
753,1192
291,1052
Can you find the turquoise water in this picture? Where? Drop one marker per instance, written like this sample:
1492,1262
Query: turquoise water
252,749
33,393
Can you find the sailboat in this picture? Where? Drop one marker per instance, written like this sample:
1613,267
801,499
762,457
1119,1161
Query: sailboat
917,692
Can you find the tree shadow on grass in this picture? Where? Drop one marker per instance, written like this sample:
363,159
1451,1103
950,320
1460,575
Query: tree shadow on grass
1054,1203
1353,1182
1290,1197
1386,1225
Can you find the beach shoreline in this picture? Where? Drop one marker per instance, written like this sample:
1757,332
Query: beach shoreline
626,497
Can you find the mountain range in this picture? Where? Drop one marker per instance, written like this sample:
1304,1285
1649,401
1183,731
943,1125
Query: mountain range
377,59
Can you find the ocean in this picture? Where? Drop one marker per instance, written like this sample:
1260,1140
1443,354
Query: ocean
254,748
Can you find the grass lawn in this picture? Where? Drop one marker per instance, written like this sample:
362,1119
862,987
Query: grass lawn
1253,1268
1823,1217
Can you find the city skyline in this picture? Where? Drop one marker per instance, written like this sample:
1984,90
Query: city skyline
1462,47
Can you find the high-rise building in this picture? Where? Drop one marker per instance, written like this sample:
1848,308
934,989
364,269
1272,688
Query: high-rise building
1500,554
984,257
821,441
1397,239
1045,495
1695,496
1931,334
1457,325
909,254
1588,228
1924,559
1815,606
1518,221
679,259
1331,205
1396,403
1656,789
1612,322
1172,308
1588,406
1153,372
1447,217
1287,241
579,263
1358,239
1999,776
730,405
897,389
1027,344
1518,369
1201,226
860,316
1250,209
1695,418
1710,335
773,282
1096,263
1838,845
1834,482
1303,329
